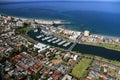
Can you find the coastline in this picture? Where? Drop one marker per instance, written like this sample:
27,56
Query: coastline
46,21
105,36
108,36
22,17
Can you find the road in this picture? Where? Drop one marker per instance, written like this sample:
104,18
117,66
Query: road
74,44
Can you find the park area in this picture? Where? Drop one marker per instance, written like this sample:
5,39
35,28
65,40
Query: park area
81,67
23,30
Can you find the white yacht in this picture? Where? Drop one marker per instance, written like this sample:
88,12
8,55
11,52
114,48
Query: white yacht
66,44
36,30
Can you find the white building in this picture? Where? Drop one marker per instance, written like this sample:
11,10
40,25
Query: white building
75,57
41,47
86,33
75,35
20,24
67,77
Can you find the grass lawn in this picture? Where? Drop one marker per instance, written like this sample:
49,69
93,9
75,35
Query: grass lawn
24,30
108,46
107,60
80,68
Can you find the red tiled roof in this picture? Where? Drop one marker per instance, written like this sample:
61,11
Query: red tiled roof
56,76
29,71
0,49
17,57
71,61
103,76
36,66
87,79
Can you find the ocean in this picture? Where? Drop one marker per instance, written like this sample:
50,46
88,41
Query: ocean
97,17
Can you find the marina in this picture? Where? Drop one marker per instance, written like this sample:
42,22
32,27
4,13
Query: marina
82,48
58,41
50,39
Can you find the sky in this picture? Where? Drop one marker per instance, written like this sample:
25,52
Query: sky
54,0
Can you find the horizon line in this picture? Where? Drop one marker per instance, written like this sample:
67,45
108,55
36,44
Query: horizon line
59,1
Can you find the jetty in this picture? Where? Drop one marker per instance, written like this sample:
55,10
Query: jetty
39,36
56,41
66,44
60,43
52,39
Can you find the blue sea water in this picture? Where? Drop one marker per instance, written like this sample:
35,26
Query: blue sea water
98,17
